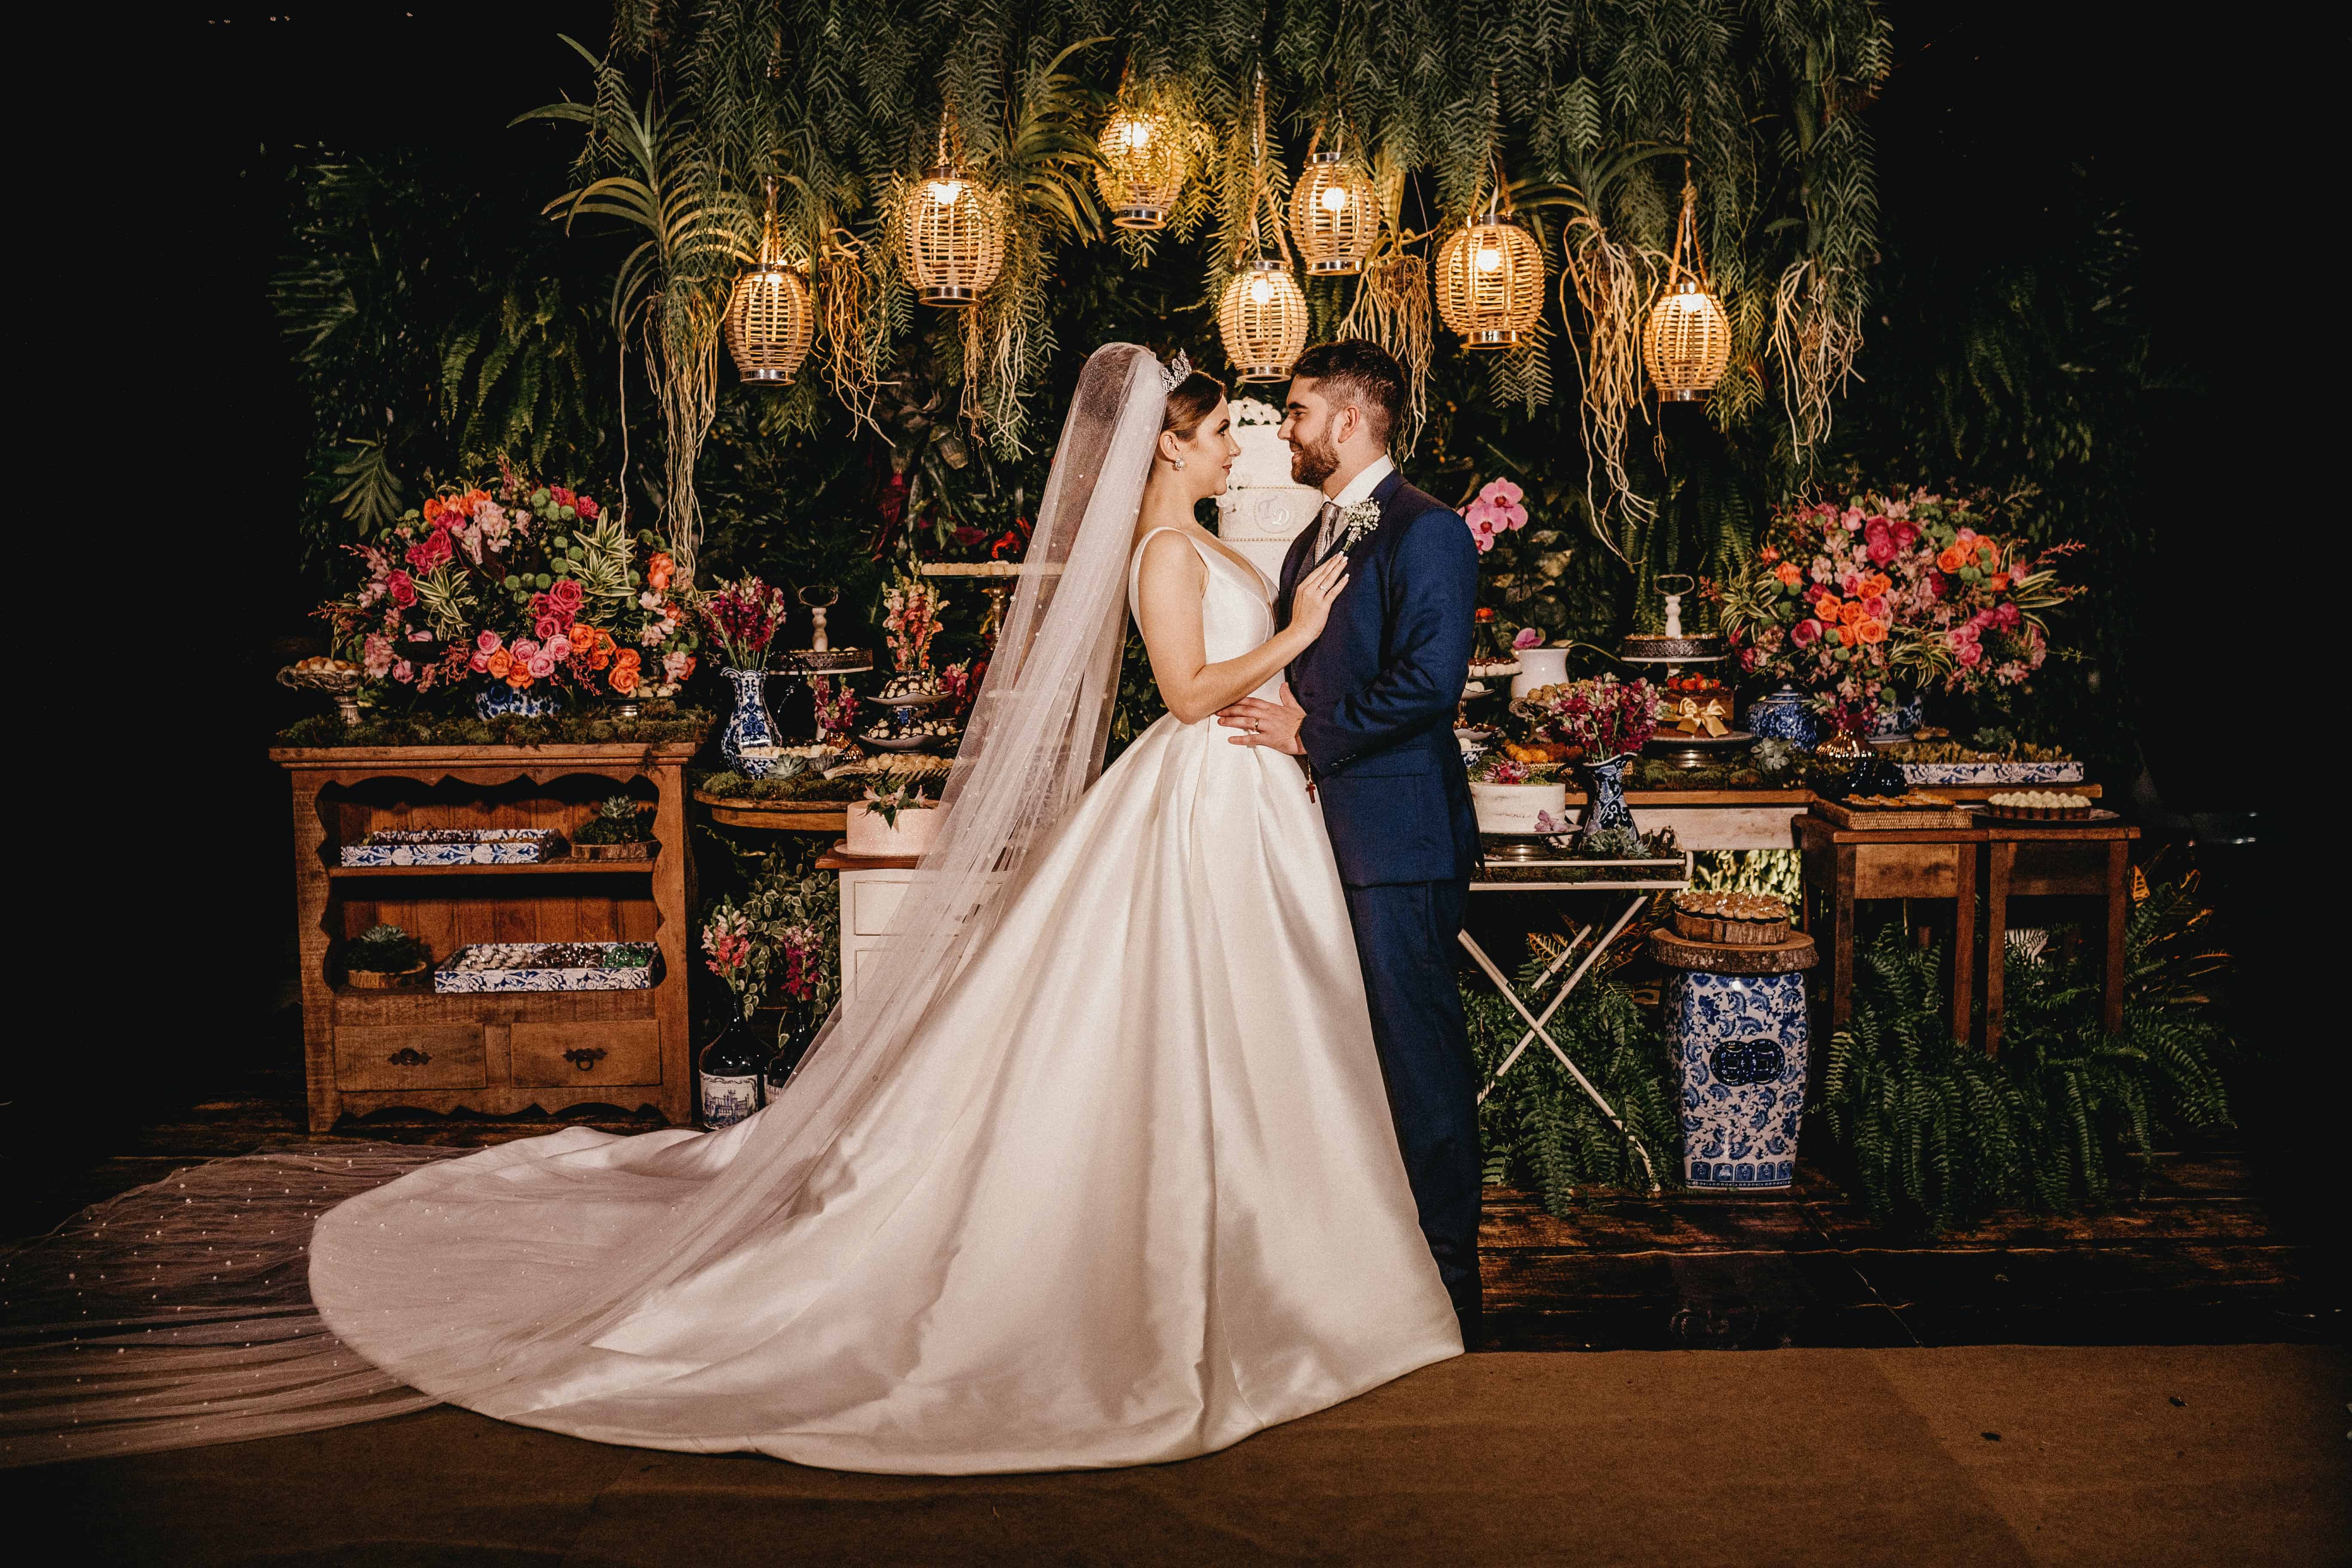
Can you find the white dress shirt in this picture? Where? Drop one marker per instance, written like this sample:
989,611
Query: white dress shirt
1361,487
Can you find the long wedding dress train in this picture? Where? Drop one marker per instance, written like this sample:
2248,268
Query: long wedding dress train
1130,1193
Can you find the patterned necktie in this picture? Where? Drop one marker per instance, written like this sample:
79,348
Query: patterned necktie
1327,529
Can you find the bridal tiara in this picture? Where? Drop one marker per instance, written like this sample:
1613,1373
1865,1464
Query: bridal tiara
1173,374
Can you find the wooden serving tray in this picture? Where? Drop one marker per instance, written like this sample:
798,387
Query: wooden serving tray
1867,820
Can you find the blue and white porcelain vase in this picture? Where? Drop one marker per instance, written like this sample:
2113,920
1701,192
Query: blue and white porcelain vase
499,701
1783,714
1606,827
749,741
1740,1041
1898,715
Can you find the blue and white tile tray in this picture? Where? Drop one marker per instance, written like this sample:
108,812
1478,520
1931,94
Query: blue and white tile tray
1992,772
455,846
547,966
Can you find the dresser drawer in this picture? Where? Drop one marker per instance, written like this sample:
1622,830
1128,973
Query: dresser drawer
444,1055
572,1055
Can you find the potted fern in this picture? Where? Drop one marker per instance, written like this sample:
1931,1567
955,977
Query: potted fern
617,832
385,958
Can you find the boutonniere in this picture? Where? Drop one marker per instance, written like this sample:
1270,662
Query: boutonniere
1357,520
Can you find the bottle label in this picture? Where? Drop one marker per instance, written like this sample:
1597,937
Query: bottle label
727,1100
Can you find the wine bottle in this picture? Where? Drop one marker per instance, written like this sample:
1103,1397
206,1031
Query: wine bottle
791,1044
729,1070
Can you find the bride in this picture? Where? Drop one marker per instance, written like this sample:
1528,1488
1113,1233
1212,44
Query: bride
1096,1167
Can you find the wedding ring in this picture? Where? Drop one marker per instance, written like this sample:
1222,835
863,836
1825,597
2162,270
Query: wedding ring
1256,727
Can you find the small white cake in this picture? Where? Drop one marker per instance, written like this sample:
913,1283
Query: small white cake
913,834
1520,807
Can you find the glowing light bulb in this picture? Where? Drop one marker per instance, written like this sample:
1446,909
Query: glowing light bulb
1490,258
947,193
1260,290
1334,199
1135,134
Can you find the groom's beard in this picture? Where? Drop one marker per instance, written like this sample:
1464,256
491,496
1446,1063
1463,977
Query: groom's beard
1311,465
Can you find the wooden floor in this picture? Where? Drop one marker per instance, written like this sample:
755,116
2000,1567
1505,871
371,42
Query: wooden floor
2203,1258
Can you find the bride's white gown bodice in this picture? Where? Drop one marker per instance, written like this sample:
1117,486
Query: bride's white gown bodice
1133,1196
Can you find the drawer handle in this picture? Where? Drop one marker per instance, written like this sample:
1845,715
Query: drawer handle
585,1056
408,1057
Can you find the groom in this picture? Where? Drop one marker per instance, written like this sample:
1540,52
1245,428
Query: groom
1373,715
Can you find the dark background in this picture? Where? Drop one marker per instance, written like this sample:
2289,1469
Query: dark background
2000,126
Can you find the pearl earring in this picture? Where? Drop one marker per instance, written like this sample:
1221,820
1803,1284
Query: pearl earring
1179,462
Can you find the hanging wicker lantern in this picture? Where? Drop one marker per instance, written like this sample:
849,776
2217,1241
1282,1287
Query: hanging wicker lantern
1686,343
769,320
1490,282
1262,319
954,236
1334,215
1142,168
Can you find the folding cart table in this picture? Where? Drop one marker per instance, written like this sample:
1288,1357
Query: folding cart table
1642,880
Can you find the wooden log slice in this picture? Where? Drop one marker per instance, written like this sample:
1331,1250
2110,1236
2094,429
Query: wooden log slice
1677,951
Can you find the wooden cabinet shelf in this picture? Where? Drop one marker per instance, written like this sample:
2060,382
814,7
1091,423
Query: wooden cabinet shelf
496,1053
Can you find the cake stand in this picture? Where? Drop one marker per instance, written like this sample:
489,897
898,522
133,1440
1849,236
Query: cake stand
906,712
821,665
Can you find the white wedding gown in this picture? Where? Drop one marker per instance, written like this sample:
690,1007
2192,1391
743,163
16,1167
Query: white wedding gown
1131,1195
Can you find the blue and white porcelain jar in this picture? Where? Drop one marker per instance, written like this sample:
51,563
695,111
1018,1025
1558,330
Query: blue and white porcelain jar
1740,1041
1606,827
751,738
1783,714
1898,716
499,701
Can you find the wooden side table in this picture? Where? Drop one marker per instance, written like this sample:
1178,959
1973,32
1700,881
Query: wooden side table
1843,866
497,1052
2074,859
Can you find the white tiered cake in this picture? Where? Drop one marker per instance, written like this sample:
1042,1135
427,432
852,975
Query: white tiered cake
1263,510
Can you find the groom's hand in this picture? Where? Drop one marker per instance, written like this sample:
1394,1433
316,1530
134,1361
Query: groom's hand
1264,723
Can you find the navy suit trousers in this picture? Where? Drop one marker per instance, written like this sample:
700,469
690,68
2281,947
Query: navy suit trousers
1406,936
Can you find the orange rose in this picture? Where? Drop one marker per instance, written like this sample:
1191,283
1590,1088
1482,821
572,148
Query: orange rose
1951,560
1787,572
518,677
1851,613
659,571
1869,630
1846,636
1999,584
1878,582
1826,608
499,663
624,678
433,507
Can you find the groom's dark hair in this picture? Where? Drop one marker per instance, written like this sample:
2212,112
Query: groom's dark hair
1352,371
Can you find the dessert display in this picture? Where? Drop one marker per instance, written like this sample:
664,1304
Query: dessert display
1909,800
2039,806
1695,705
1539,753
1745,919
337,678
487,966
921,686
455,846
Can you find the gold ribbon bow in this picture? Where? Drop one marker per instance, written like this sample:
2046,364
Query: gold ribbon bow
1690,715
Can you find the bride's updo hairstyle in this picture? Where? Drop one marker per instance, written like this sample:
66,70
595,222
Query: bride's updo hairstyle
1190,401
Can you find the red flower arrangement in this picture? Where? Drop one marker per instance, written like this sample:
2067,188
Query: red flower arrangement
1846,599
511,582
743,618
1603,718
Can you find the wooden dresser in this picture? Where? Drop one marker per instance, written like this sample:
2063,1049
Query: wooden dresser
502,1053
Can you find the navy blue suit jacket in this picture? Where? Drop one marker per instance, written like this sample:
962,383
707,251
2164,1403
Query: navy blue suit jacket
1381,688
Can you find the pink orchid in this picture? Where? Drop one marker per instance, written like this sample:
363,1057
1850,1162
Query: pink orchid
403,673
1527,637
376,655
